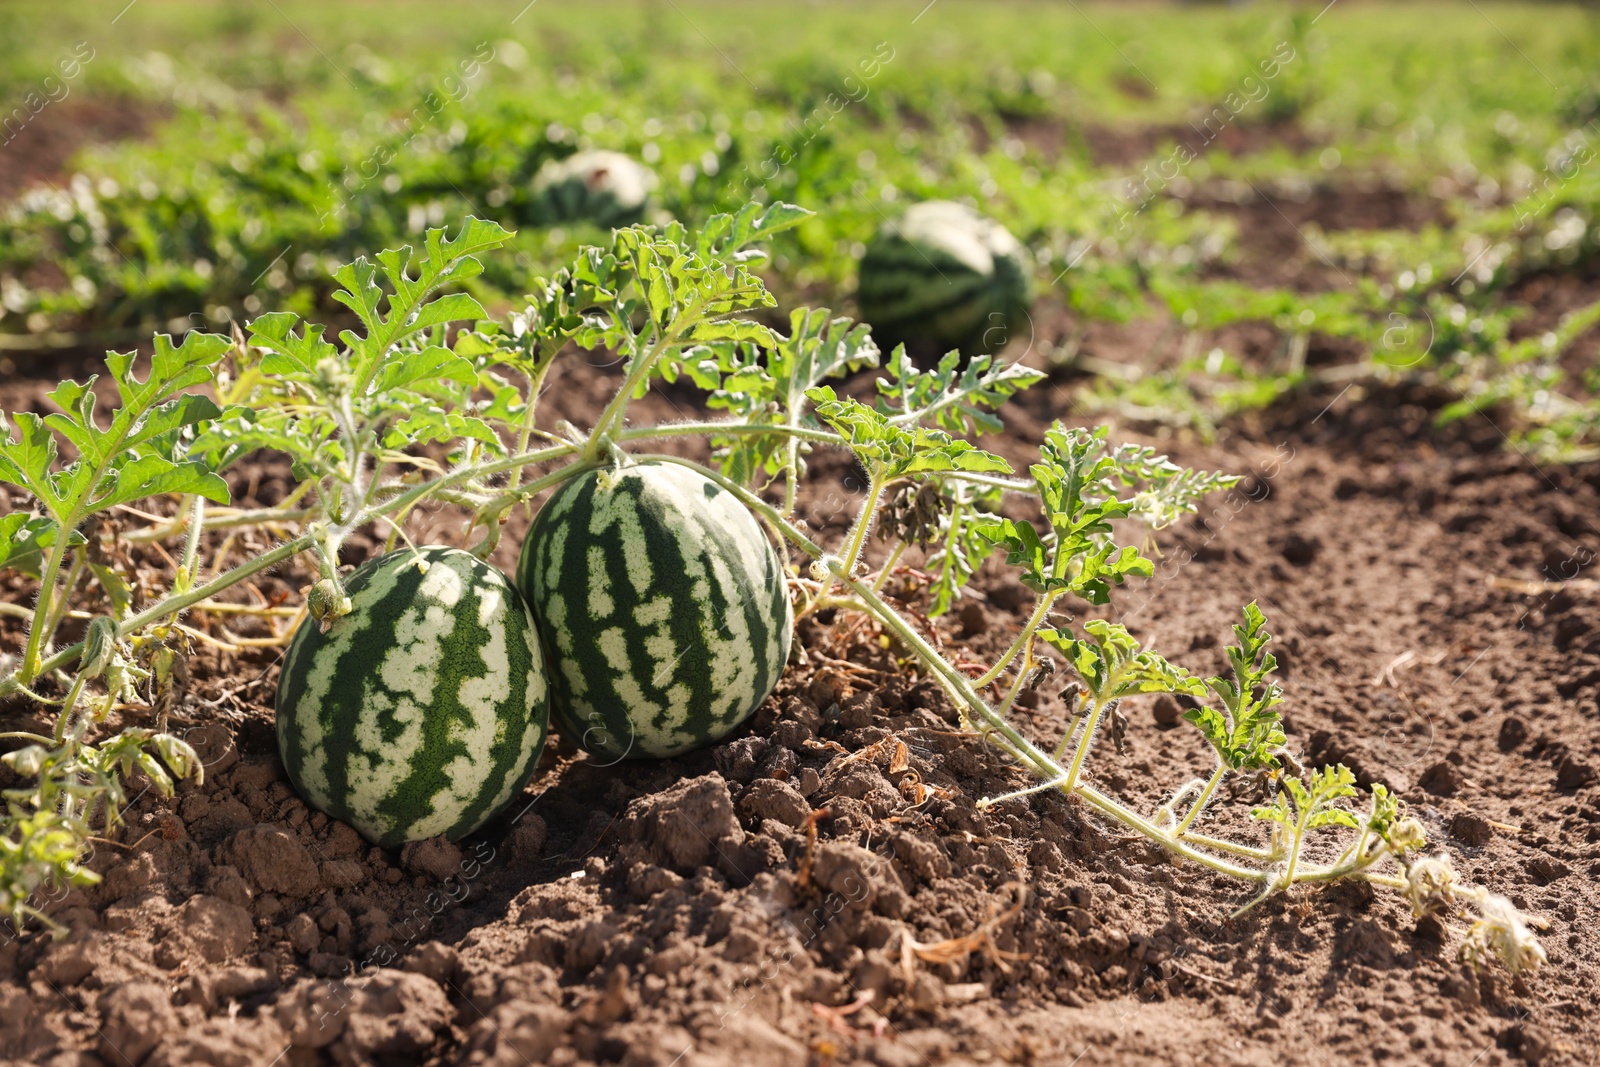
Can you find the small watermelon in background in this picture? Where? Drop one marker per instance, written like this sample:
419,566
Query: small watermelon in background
423,711
944,276
663,605
606,188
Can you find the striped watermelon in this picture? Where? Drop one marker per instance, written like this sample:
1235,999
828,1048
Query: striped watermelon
605,188
946,277
664,608
422,711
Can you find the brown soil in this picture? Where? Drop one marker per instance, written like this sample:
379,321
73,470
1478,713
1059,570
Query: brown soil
41,150
658,913
677,912
1132,146
1278,227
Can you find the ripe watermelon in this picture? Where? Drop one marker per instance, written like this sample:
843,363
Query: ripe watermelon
946,277
606,188
422,711
664,607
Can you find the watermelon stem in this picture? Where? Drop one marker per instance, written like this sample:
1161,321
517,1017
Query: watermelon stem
718,428
858,534
976,713
535,376
888,566
1035,620
639,369
226,580
1021,679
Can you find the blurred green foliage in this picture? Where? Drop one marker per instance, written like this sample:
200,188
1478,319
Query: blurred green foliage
293,136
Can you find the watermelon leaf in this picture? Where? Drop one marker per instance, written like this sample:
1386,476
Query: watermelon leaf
767,385
23,539
445,261
140,452
1248,733
1112,665
951,396
730,237
892,451
959,546
27,460
148,476
288,355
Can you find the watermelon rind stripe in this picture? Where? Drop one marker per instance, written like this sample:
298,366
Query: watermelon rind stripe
944,274
664,605
423,711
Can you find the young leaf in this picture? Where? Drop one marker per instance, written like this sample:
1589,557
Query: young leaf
171,369
1311,806
768,385
961,548
27,459
445,261
951,397
893,451
1112,665
1248,733
432,364
24,538
1077,485
138,454
731,236
286,354
1166,491
153,476
1385,811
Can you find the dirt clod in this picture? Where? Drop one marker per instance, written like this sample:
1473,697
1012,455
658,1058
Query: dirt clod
527,838
274,860
686,826
515,1034
1513,732
134,1017
1470,829
214,928
1441,779
1573,774
436,858
1300,550
768,798
392,1014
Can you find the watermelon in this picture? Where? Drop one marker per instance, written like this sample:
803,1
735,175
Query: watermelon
663,606
606,188
424,709
945,277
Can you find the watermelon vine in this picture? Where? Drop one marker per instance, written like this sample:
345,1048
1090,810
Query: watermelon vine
409,409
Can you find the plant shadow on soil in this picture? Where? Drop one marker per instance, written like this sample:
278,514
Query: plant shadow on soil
655,913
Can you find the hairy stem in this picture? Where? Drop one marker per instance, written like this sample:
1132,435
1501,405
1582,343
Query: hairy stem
715,428
1040,610
80,559
227,519
1021,679
1294,848
858,535
1010,485
535,377
170,605
64,717
888,566
31,666
639,370
1205,796
1081,753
